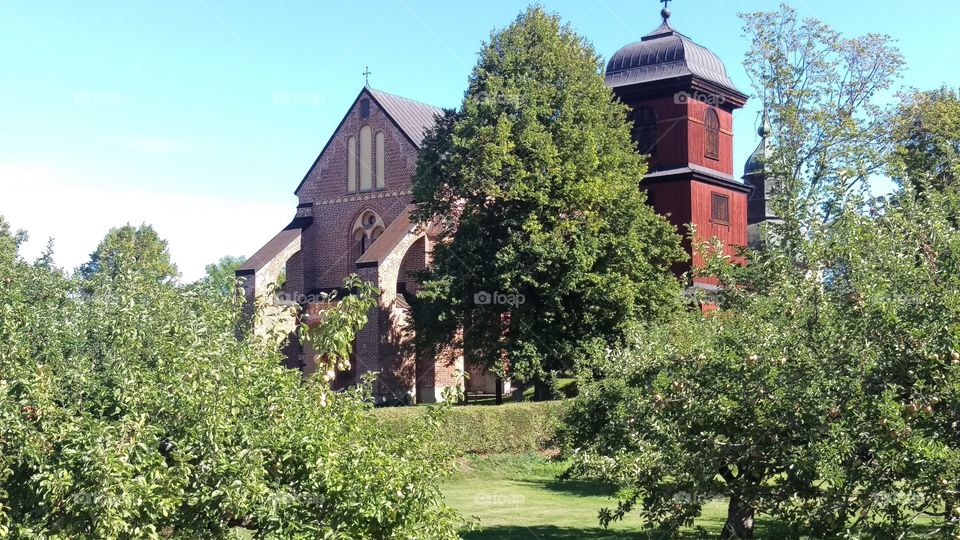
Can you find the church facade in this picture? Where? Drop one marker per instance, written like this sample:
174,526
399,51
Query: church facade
355,202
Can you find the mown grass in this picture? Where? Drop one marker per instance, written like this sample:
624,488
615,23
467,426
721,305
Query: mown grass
518,497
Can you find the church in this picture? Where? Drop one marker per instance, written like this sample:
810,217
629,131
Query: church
355,204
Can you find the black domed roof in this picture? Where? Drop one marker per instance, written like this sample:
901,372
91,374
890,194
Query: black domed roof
665,54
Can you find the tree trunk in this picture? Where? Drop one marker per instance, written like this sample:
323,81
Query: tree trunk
499,385
739,519
541,391
518,389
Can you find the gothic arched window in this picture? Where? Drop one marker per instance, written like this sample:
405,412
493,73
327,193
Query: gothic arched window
381,158
711,124
366,154
644,131
351,164
366,229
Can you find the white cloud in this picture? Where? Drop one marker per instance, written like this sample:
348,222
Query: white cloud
50,203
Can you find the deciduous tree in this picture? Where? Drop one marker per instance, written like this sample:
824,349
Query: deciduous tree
548,250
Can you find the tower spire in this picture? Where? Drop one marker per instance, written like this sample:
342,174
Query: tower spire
665,12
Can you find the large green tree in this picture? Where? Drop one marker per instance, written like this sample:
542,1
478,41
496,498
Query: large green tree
131,249
822,92
548,251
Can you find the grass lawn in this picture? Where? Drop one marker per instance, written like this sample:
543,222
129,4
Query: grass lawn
517,497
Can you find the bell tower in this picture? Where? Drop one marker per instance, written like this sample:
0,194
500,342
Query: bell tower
682,104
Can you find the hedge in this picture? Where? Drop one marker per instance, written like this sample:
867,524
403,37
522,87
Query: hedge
488,429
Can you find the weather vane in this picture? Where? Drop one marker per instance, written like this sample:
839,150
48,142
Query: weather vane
366,72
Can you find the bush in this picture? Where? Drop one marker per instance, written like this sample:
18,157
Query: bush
486,429
825,392
129,409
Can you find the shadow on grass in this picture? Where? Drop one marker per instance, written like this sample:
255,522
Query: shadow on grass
549,532
578,488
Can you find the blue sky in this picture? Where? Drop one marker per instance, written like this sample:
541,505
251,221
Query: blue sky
201,116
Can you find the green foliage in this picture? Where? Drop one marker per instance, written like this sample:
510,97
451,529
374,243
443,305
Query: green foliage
532,185
824,393
222,275
133,411
927,140
825,390
821,90
485,429
130,249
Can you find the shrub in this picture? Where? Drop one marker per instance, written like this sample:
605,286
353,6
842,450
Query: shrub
129,409
485,429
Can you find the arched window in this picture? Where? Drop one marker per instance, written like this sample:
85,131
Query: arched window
381,181
711,124
351,164
366,167
360,239
366,229
644,131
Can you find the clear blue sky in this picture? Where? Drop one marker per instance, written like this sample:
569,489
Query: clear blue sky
201,116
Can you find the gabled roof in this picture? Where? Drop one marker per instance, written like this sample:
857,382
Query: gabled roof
412,117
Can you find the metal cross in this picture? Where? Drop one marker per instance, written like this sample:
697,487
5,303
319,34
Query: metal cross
366,72
665,3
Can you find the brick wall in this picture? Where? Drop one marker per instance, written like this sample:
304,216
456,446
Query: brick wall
328,242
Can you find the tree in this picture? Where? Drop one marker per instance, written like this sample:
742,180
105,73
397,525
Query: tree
222,274
824,391
927,140
9,241
824,394
131,249
821,93
548,252
134,411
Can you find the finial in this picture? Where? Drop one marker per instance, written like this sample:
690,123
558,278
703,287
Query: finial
665,12
366,76
765,129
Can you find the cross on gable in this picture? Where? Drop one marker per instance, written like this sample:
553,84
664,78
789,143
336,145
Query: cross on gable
366,73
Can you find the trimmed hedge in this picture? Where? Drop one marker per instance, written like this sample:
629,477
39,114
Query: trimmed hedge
487,429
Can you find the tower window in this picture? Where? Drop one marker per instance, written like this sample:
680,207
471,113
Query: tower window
364,108
720,208
644,130
711,124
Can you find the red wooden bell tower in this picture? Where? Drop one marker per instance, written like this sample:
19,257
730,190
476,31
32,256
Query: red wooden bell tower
682,106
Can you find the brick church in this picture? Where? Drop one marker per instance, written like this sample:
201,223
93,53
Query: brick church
355,202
